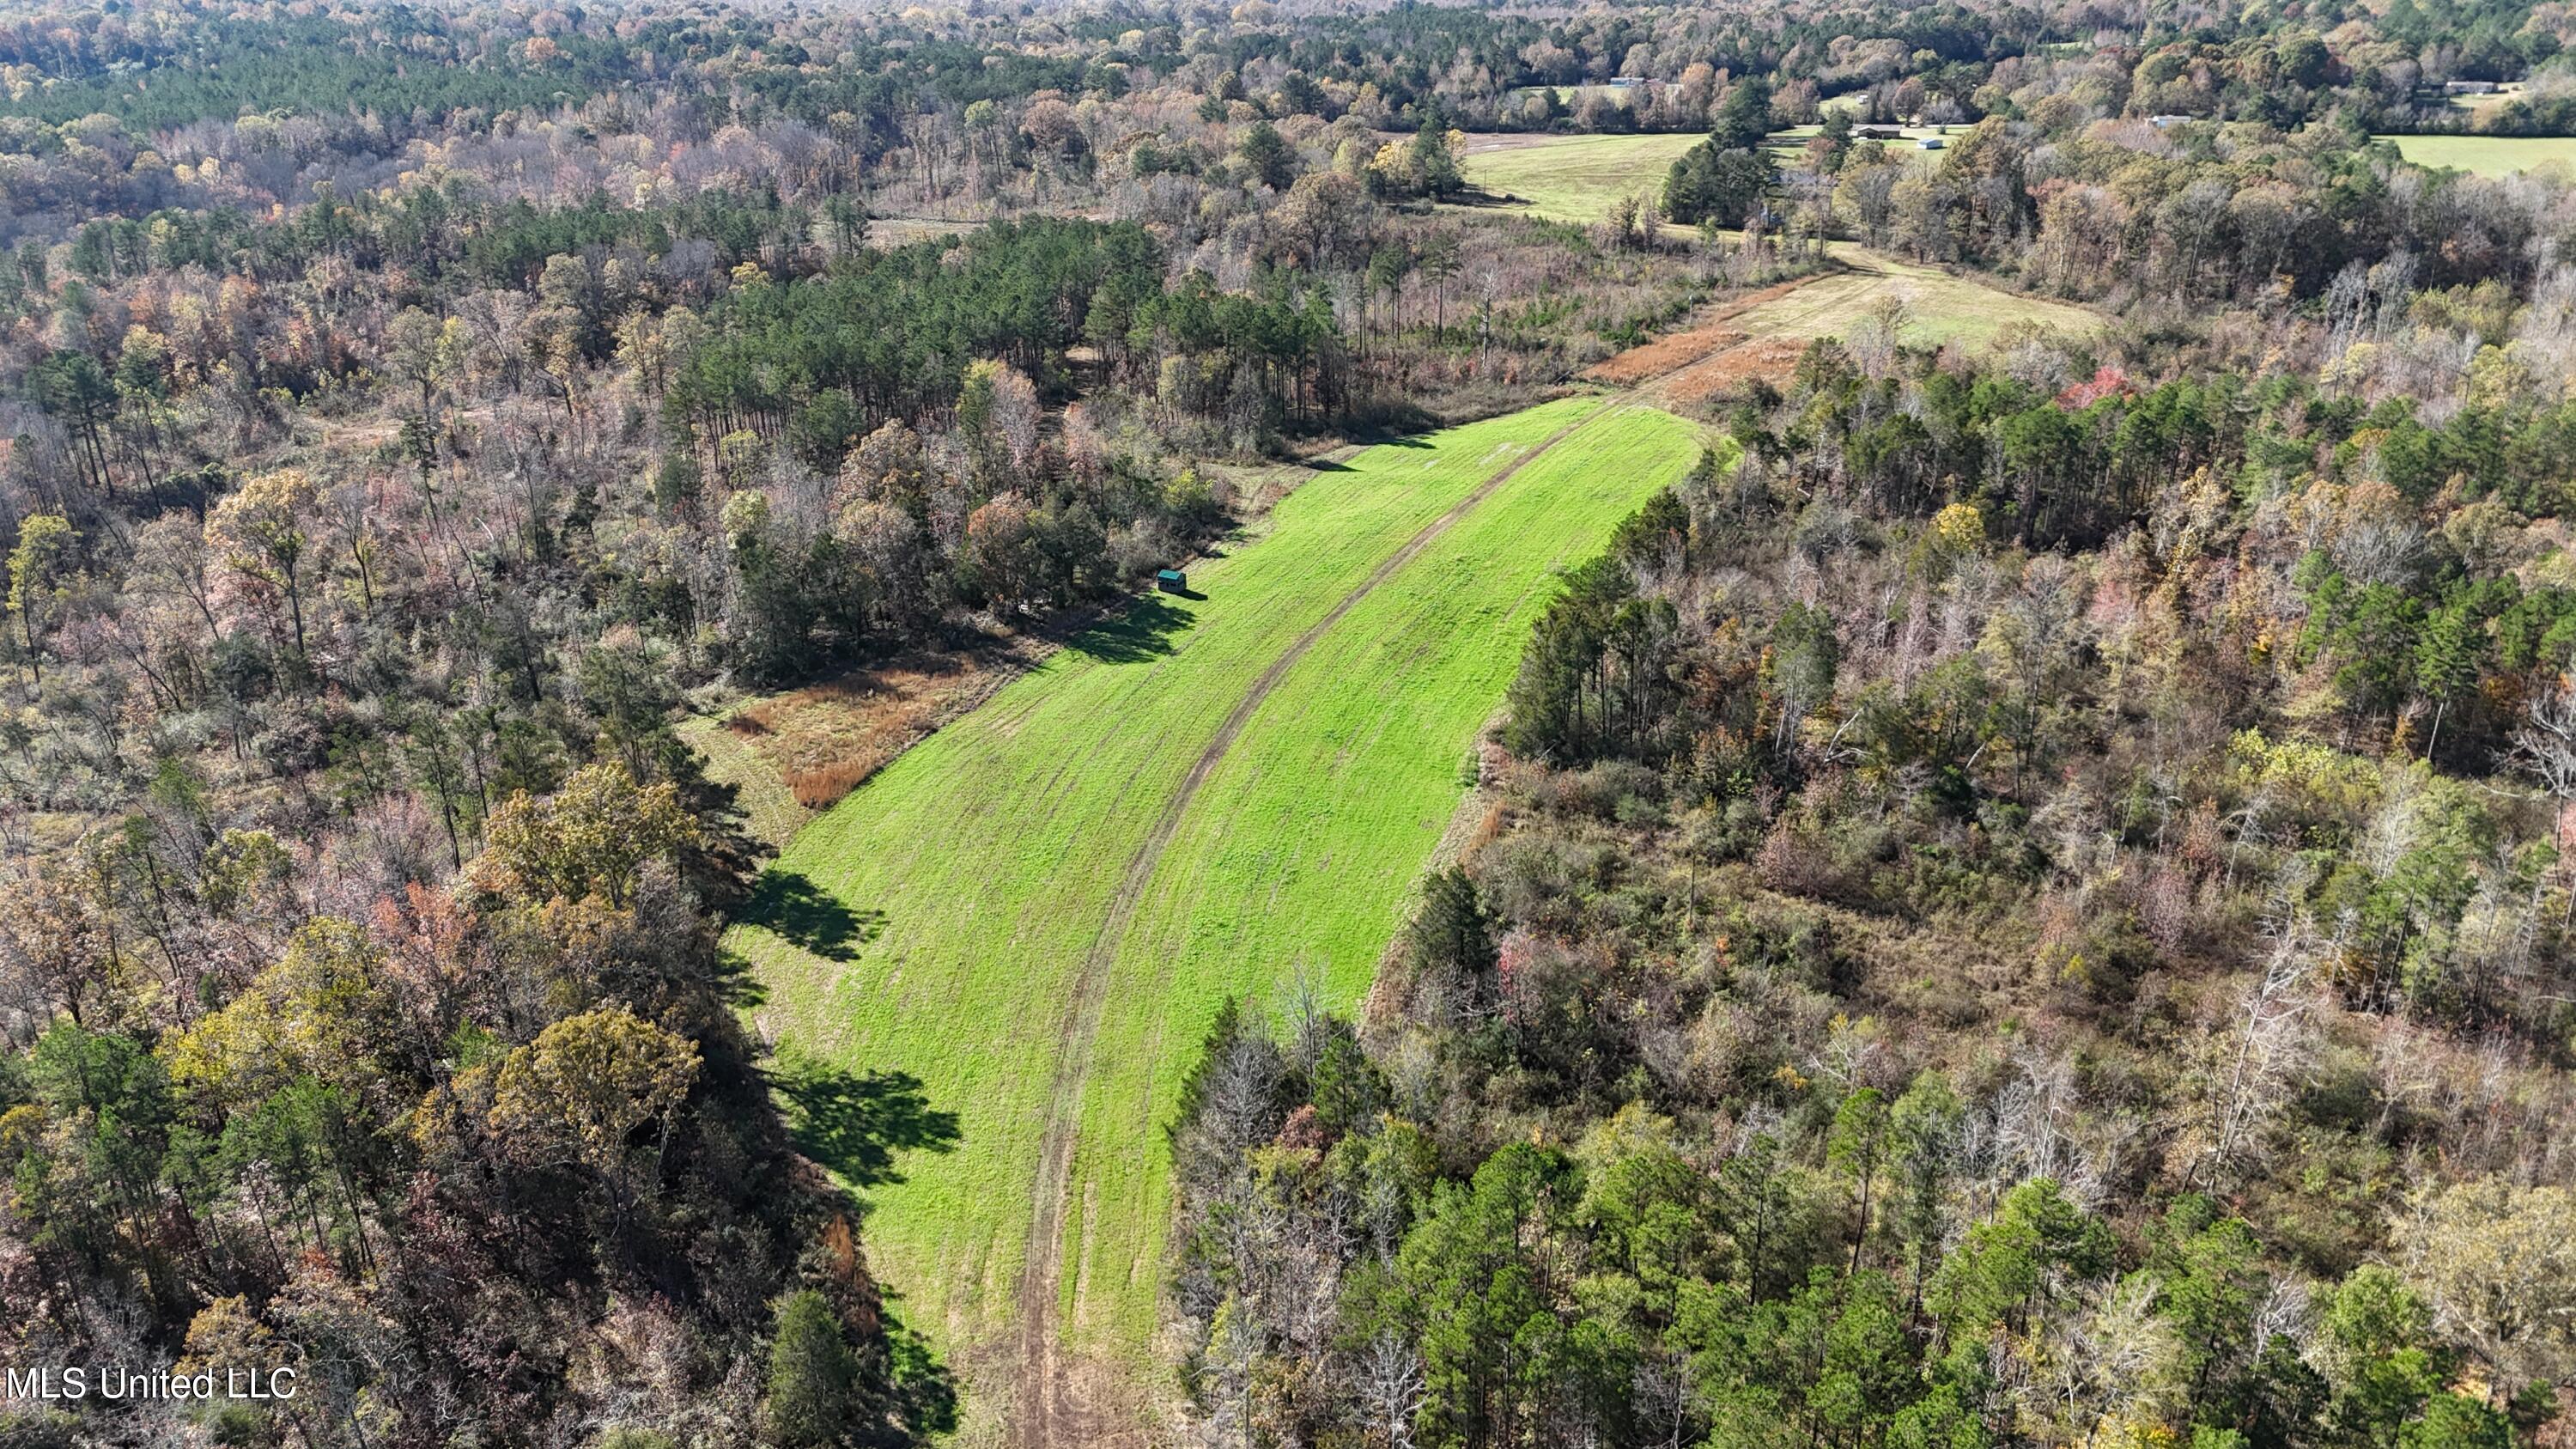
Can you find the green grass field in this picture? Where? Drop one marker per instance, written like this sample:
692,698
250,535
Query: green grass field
2488,155
1577,178
967,883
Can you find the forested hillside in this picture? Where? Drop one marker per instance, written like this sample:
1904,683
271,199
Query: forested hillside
2024,902
1928,979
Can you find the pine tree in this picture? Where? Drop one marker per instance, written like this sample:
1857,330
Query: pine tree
813,1376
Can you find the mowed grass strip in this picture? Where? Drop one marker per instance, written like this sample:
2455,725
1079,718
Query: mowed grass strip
954,896
1298,855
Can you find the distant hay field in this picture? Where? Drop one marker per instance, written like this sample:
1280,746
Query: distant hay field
2489,155
1579,178
1574,178
1940,307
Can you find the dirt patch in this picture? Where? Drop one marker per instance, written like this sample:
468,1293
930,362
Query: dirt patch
1664,354
1676,350
1723,372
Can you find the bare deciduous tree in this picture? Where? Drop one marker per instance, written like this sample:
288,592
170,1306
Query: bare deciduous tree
2264,1059
1391,1388
2545,748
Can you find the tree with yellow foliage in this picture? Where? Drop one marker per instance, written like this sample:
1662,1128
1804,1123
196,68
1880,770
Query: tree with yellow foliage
260,533
2498,1265
37,569
591,838
586,1086
312,1014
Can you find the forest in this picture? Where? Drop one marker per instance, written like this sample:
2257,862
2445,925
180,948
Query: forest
2025,901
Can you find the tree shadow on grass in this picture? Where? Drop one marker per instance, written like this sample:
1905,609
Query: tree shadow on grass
1143,632
1395,427
855,1122
737,981
789,905
925,1393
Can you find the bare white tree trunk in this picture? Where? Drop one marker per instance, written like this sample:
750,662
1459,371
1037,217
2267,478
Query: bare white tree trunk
2263,1067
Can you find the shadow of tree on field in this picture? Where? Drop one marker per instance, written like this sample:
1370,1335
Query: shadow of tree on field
1400,426
925,1393
855,1122
788,904
737,980
1143,632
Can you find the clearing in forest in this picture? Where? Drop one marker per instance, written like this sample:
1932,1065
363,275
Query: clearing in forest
1939,306
1573,178
1762,334
2488,155
1037,911
1579,178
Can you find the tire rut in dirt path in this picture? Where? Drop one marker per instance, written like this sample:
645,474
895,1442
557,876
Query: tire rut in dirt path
1045,1413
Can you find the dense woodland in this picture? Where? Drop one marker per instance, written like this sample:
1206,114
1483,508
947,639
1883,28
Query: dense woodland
2025,904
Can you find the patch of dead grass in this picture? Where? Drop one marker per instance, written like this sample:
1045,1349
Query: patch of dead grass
827,739
1675,350
1722,373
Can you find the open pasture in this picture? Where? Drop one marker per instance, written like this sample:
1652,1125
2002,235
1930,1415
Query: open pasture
1579,178
2489,155
1940,307
1573,178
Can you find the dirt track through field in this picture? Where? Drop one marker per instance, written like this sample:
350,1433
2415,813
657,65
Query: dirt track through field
1048,1411
1048,1408
1686,367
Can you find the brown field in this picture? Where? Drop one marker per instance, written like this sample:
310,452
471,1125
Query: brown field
1940,307
1763,333
1665,354
1709,336
825,740
1767,357
896,231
